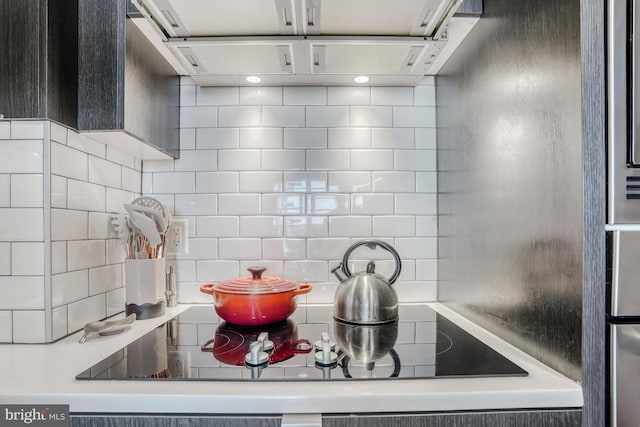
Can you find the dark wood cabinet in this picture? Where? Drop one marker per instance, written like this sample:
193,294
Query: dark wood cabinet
38,60
124,84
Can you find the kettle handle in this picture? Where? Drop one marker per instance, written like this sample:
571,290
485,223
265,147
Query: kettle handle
372,244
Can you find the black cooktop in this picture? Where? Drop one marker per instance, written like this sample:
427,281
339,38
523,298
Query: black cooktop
310,345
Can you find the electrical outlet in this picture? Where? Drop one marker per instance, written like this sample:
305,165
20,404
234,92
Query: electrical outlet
177,239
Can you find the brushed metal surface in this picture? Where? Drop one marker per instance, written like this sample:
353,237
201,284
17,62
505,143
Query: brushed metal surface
510,178
624,371
625,270
366,298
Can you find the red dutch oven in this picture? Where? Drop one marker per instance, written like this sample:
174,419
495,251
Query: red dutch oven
232,342
255,300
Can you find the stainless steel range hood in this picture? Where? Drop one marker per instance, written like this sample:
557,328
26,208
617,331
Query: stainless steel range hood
307,42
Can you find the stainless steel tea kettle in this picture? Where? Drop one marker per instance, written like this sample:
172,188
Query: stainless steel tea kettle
366,298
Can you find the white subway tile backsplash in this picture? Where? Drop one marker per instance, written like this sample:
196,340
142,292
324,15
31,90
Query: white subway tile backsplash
195,117
21,224
306,226
158,166
305,182
345,95
394,226
87,145
327,248
131,180
261,182
186,270
415,160
239,116
27,259
87,310
85,254
121,158
305,138
187,96
425,138
217,182
58,257
117,198
217,226
414,117
174,182
416,291
426,182
21,156
320,116
282,204
261,138
239,204
215,138
207,95
200,160
69,162
427,269
349,138
196,204
58,192
327,159
305,95
274,268
85,196
393,182
189,293
27,191
372,204
239,160
27,129
5,259
416,204
69,224
283,116
350,226
418,247
306,271
371,116
201,248
29,326
284,249
105,278
187,139
261,226
5,190
115,251
397,138
424,95
322,293
59,322
373,160
427,226
22,292
267,95
216,271
388,95
104,172
100,226
327,204
116,301
283,159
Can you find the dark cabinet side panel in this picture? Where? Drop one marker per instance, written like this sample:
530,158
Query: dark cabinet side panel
22,66
560,418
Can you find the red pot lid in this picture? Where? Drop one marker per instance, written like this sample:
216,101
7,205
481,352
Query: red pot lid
256,284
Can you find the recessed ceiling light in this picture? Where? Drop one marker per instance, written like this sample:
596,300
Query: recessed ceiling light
254,79
361,79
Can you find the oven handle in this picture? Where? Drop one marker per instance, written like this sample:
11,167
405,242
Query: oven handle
634,82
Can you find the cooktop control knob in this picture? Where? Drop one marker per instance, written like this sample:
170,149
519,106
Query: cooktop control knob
256,356
326,357
324,338
267,344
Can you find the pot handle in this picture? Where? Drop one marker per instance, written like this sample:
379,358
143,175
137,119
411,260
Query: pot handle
304,288
208,346
207,288
372,244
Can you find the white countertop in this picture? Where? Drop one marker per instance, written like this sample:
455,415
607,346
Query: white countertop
45,374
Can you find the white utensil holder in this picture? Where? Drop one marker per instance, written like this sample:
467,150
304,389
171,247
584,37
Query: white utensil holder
146,284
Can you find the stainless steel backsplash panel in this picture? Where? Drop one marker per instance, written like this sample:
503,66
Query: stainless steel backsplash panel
510,178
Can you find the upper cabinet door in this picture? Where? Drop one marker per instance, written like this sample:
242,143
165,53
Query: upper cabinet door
210,18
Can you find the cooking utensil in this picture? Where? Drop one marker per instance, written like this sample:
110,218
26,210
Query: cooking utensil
366,297
147,243
107,327
232,342
157,215
255,300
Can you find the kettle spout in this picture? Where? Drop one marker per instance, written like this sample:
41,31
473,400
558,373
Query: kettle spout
338,271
